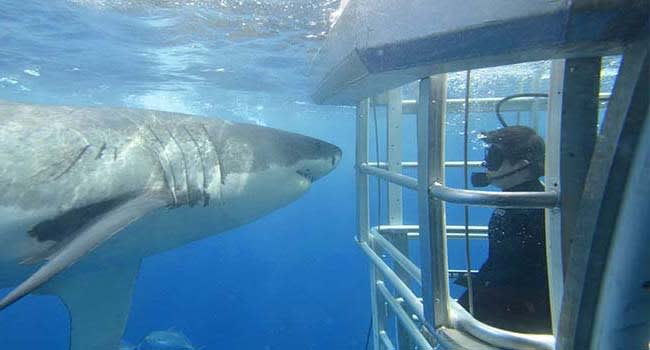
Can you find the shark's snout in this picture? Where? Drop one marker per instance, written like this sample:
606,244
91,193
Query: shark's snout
306,156
336,157
329,157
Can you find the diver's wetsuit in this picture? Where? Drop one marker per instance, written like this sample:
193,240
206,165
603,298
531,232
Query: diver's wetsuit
511,288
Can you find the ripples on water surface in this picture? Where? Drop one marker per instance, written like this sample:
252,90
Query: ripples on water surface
231,58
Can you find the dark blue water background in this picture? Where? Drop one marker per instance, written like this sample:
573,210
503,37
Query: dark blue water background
292,280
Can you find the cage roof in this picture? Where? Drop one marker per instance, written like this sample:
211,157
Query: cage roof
376,45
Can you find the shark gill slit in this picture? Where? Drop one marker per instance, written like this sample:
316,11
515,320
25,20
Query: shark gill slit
206,198
156,155
216,152
222,170
101,151
162,155
187,178
219,163
83,150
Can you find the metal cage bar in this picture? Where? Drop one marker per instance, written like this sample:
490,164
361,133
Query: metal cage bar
399,179
405,263
404,318
433,309
394,196
498,337
552,176
431,212
394,154
548,199
572,120
402,289
363,216
448,164
487,104
600,204
452,230
385,340
402,260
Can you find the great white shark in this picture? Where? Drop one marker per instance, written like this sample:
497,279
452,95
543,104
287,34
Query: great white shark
86,193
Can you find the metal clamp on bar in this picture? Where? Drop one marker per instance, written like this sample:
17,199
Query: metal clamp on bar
462,320
402,289
388,345
408,324
496,199
405,262
403,180
400,258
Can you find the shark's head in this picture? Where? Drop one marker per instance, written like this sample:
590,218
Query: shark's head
262,169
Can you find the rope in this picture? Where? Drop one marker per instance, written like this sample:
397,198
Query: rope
468,257
368,334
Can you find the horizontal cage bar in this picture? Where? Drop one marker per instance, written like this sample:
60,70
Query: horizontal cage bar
548,199
462,320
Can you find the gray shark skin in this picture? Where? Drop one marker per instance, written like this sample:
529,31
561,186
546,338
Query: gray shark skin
86,193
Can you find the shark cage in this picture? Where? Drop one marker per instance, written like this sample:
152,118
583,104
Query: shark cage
596,197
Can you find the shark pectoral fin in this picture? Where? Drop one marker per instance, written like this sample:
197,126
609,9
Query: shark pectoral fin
89,238
98,302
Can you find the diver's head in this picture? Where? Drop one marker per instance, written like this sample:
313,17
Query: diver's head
514,155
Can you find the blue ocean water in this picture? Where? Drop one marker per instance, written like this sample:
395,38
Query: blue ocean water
292,280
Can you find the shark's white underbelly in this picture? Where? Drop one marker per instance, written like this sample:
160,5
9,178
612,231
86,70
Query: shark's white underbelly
15,242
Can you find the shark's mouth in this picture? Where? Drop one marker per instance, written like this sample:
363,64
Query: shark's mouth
307,175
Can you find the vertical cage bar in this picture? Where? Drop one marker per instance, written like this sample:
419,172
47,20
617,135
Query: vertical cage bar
363,218
431,212
395,205
552,182
394,144
382,308
579,130
535,103
600,205
573,115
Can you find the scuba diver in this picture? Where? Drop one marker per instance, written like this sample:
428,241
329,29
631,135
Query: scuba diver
510,290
